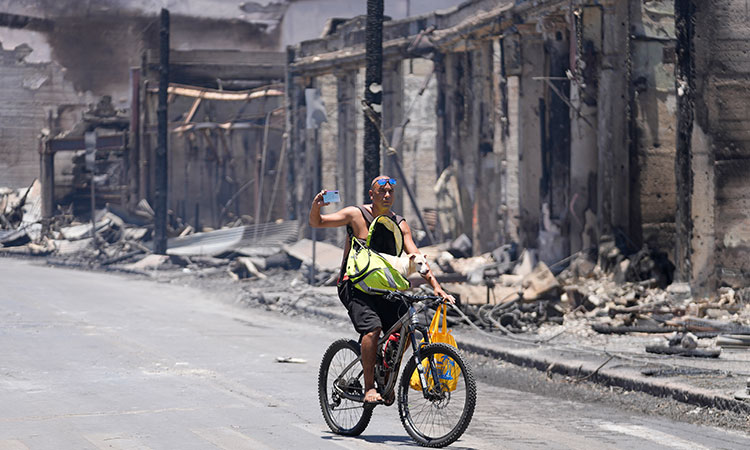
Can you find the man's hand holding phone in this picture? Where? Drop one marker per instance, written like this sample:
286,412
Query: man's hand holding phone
331,197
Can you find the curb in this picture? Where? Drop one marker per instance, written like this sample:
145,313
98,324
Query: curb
684,394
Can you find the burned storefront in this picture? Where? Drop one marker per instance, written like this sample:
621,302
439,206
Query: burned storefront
556,125
607,129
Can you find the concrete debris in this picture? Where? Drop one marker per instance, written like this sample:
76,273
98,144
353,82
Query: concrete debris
460,247
242,268
327,257
743,394
677,350
540,283
289,359
20,214
148,262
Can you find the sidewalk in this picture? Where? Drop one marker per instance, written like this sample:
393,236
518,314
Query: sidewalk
612,360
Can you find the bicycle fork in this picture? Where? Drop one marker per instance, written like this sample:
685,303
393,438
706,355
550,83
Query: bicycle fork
414,325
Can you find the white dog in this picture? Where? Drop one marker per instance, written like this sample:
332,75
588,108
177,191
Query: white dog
408,264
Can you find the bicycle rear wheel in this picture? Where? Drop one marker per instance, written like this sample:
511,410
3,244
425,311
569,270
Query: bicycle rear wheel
442,416
342,415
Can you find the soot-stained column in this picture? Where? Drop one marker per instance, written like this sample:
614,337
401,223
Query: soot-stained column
373,91
160,203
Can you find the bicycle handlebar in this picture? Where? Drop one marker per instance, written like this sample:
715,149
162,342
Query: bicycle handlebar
396,295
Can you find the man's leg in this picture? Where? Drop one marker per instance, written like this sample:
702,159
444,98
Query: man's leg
369,353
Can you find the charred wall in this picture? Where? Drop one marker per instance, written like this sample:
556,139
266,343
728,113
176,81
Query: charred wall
32,93
76,55
654,128
720,146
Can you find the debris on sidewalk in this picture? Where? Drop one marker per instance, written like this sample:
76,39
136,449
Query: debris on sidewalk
743,394
243,268
291,360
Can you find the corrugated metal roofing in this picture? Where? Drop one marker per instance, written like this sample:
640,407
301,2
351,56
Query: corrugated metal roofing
264,238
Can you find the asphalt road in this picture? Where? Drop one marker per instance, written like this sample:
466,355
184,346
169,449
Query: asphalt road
102,361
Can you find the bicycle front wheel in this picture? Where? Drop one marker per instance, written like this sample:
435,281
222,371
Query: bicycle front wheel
441,416
343,416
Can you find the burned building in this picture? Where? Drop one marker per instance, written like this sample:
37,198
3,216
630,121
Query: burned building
59,60
562,125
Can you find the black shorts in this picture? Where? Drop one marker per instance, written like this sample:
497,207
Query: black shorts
369,312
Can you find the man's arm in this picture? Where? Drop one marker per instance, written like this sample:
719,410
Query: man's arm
337,219
411,247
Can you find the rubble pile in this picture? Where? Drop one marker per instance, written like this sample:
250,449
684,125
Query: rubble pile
20,214
616,294
122,240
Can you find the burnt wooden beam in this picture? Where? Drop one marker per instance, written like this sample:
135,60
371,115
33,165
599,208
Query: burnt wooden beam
211,67
18,21
477,20
133,176
160,203
685,86
47,173
109,142
292,130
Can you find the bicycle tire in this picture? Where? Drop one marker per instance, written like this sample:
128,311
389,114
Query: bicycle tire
355,416
465,396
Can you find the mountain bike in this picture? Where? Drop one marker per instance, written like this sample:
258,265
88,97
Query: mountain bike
435,415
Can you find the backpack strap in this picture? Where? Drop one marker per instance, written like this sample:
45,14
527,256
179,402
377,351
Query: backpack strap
350,234
369,218
366,214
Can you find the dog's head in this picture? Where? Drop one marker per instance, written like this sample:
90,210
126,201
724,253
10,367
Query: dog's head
419,262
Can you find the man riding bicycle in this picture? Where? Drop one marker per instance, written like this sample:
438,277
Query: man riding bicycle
370,314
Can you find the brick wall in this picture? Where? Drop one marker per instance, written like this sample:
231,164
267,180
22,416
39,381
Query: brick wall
28,91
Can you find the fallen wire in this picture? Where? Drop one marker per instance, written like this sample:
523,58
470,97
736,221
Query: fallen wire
579,379
593,351
507,334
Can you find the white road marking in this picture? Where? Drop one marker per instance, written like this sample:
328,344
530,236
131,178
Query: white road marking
517,434
661,438
114,442
229,439
13,445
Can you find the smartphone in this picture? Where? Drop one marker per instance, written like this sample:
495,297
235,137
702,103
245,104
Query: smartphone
331,197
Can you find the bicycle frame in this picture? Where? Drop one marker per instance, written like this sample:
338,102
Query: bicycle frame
406,325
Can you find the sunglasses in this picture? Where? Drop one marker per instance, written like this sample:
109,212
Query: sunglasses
383,181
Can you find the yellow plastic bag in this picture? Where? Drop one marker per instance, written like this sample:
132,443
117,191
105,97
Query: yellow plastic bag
448,371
